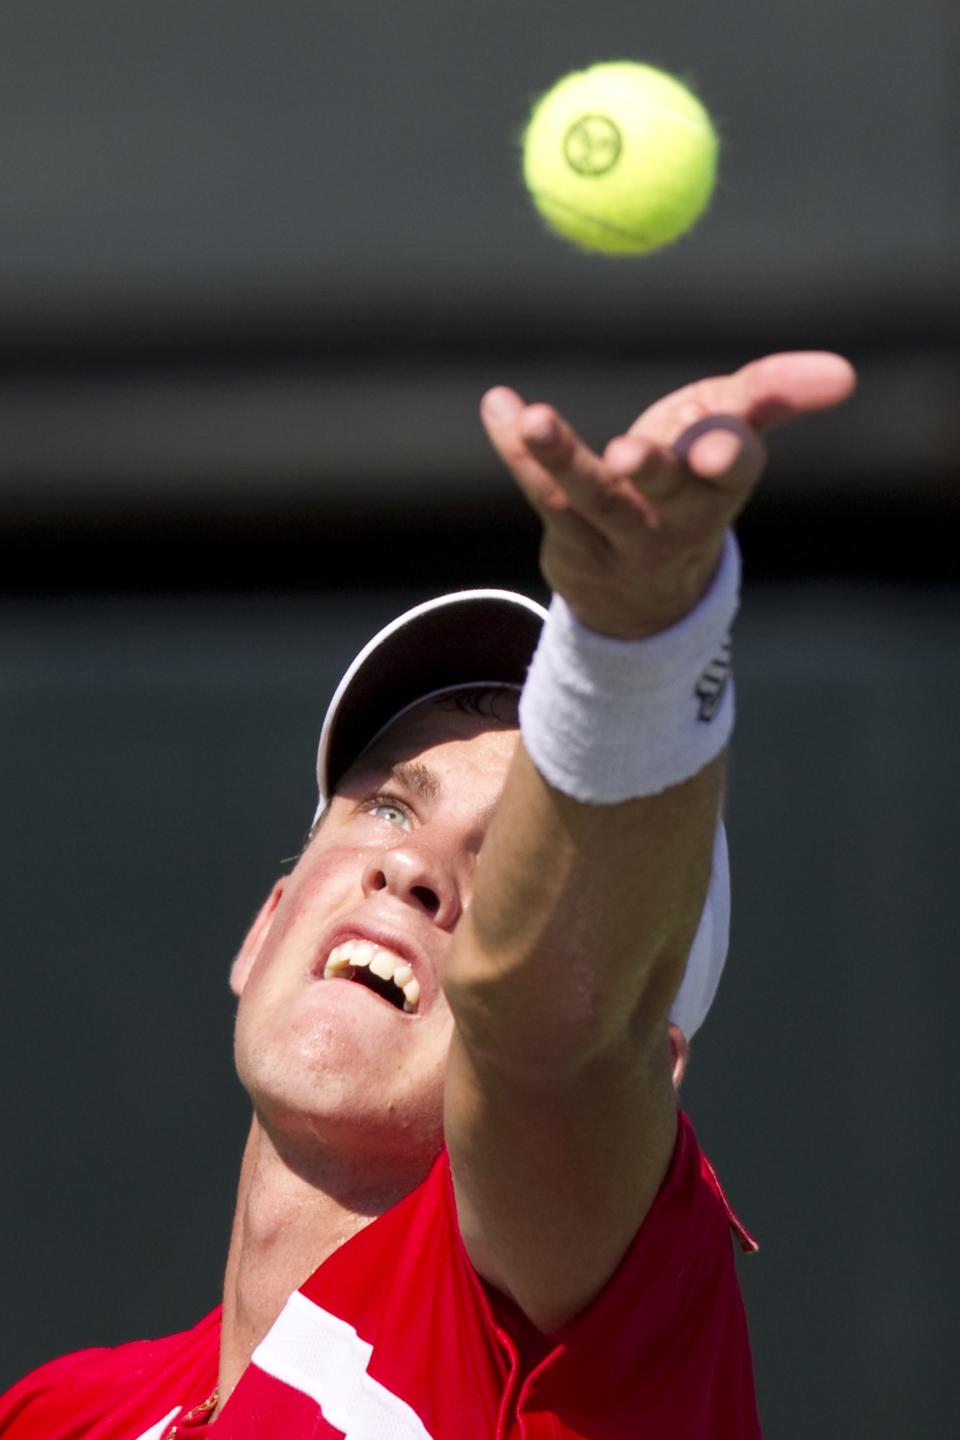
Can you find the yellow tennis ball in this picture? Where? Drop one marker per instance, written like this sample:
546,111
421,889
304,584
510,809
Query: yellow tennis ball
620,157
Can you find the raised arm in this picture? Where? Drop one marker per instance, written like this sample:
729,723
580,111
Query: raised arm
560,1103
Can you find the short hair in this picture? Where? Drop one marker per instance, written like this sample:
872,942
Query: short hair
484,701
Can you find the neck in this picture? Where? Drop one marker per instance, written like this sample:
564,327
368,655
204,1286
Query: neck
288,1220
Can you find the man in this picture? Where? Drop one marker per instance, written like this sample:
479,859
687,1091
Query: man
468,1205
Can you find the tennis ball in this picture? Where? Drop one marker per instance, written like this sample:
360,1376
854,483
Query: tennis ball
620,157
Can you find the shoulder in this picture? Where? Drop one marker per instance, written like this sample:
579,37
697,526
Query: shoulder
79,1388
666,1339
679,1265
692,1200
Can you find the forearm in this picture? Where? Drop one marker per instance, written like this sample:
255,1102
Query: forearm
598,863
582,918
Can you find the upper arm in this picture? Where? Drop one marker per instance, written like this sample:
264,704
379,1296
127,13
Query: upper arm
560,1109
552,1182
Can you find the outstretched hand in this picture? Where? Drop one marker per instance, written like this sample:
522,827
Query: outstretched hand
632,537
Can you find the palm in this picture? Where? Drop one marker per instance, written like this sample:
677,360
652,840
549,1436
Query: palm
632,537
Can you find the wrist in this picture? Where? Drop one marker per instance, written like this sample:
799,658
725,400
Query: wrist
664,599
605,719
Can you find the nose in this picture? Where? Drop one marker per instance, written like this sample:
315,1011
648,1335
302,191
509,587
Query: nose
419,876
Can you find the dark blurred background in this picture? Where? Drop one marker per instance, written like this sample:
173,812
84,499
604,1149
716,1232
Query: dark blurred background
257,265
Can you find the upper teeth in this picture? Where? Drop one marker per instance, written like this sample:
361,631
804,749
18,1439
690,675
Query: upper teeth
352,955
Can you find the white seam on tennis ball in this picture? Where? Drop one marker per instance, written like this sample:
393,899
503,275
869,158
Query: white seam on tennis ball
586,215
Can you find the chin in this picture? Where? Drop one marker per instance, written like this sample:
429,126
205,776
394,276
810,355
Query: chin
316,1112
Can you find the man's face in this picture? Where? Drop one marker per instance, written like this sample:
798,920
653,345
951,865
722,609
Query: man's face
326,1059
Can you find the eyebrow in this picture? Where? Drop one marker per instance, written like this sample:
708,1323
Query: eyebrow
427,784
423,782
417,777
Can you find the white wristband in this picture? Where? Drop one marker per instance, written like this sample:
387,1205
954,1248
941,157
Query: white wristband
605,720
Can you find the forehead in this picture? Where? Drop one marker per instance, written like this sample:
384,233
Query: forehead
478,731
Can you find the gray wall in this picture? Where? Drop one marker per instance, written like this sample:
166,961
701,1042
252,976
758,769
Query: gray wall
250,251
156,770
257,264
212,153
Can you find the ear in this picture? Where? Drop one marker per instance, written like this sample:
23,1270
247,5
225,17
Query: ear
258,932
680,1050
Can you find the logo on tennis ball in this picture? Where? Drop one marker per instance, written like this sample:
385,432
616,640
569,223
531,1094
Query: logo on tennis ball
592,145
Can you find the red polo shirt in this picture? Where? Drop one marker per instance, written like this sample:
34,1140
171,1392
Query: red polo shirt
395,1337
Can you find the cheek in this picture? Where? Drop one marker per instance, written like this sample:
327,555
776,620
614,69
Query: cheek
315,894
324,870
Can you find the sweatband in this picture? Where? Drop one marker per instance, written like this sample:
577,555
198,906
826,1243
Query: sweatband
605,720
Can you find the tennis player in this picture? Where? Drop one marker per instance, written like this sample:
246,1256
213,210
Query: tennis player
470,1205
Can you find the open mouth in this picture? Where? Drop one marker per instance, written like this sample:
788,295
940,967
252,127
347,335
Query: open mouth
377,968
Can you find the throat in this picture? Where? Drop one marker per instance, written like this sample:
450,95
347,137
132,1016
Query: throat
285,1226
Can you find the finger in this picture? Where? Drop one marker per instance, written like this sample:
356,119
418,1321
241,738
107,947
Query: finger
571,463
595,494
521,434
647,472
721,452
554,467
724,450
766,393
501,410
780,388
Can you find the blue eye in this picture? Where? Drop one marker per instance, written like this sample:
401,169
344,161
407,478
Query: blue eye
384,808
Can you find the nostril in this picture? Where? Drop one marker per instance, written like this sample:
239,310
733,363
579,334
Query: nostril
428,898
